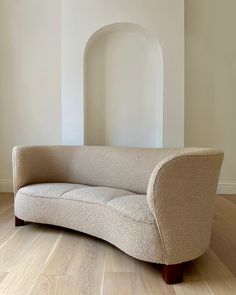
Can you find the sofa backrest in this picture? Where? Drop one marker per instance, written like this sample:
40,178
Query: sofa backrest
125,168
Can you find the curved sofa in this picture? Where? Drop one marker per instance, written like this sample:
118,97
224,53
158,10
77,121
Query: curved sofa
154,204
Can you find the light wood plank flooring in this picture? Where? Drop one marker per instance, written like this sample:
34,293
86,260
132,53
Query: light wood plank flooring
41,260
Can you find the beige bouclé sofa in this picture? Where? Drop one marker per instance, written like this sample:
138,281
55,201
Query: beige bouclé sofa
155,204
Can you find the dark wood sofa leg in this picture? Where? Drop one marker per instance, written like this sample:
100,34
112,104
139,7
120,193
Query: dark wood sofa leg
19,222
173,274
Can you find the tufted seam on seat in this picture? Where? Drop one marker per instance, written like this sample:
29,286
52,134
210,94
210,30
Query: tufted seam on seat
116,197
71,190
79,201
90,186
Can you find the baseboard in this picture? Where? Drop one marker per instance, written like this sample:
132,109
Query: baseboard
6,186
226,188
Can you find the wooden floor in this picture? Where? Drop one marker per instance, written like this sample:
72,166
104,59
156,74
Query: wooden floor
40,260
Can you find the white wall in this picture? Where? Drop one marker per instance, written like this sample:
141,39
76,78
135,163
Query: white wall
123,88
210,81
30,102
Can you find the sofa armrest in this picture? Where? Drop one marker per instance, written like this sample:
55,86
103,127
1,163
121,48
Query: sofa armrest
181,194
35,164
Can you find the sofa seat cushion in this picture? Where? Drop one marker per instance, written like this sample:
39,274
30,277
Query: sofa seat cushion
124,202
134,207
49,190
95,194
117,216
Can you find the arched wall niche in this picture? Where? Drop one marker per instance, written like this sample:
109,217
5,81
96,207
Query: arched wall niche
123,87
158,21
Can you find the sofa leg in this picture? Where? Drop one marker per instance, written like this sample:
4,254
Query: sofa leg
19,222
172,274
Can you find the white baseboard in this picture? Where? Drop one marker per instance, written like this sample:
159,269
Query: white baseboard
223,188
227,188
6,186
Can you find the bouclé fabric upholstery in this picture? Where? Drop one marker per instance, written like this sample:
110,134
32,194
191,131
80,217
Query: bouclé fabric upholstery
155,204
